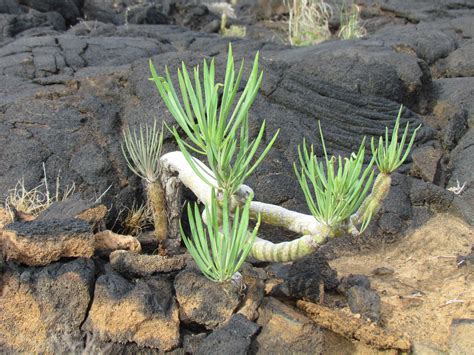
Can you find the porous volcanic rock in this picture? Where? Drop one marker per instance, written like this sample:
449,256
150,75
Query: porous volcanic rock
76,207
454,94
425,10
364,301
459,62
428,44
203,301
305,278
12,25
42,242
364,67
462,160
287,329
426,163
234,337
107,241
135,265
142,311
71,10
42,309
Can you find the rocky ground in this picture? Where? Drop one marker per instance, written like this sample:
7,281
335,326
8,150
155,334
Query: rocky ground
75,74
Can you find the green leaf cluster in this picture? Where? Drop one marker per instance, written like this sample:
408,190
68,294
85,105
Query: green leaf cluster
389,155
214,121
221,246
335,187
142,151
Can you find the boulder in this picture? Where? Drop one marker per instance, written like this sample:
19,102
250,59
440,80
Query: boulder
424,10
369,67
12,25
136,265
454,94
462,159
287,329
42,309
71,10
459,62
203,301
43,242
234,337
428,44
142,311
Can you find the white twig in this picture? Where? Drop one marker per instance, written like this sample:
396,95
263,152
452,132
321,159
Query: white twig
458,189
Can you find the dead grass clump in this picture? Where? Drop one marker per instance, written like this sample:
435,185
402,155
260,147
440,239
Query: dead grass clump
135,219
33,201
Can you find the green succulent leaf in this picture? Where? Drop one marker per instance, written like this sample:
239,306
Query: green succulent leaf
335,187
142,151
214,123
391,153
221,246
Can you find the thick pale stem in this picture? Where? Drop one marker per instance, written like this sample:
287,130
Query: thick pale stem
281,217
275,215
373,202
314,233
157,203
263,250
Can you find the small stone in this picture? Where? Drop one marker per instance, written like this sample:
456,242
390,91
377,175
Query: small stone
383,271
466,260
353,280
203,301
365,302
286,329
148,241
38,243
234,337
138,265
461,340
143,312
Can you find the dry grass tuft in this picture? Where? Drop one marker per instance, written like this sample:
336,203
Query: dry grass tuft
34,201
308,21
136,219
350,23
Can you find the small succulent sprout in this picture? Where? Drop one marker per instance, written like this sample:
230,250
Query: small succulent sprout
221,244
142,151
391,154
335,187
216,124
